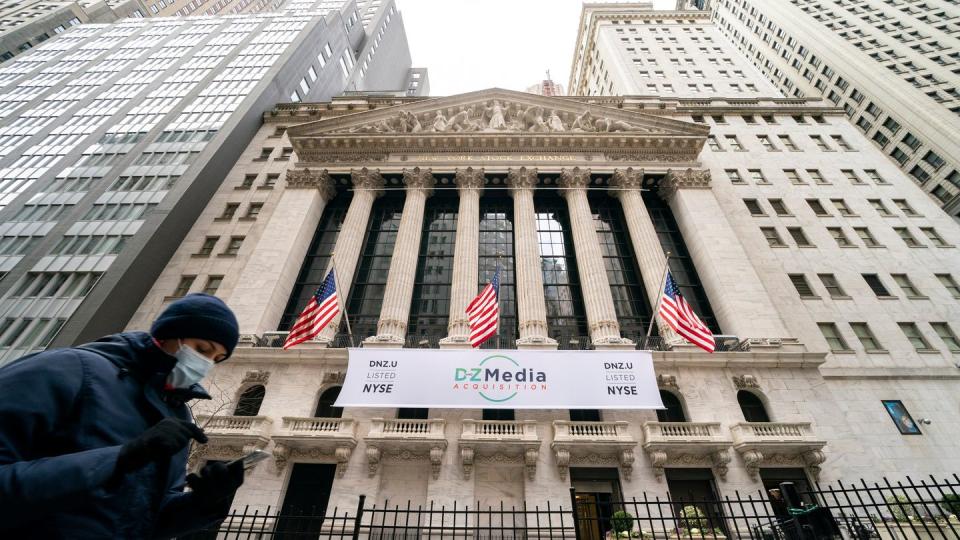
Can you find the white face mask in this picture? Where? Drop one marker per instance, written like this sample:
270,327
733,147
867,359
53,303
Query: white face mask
191,368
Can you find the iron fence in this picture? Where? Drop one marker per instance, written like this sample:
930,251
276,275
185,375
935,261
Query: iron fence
909,510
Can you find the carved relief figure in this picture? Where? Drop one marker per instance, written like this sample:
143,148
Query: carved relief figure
584,122
439,122
497,120
554,122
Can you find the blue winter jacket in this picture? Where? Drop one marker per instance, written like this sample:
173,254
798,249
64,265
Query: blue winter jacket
64,414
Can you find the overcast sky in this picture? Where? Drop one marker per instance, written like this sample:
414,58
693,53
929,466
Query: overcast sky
475,44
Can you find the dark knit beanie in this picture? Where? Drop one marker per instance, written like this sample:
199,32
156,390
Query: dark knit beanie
198,316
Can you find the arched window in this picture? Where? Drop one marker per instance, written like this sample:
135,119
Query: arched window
325,408
584,415
674,409
250,401
752,407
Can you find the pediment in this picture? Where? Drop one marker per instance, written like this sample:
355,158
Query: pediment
497,111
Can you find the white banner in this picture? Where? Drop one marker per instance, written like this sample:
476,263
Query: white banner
500,379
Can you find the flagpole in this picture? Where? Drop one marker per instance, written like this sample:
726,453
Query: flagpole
495,270
343,307
656,307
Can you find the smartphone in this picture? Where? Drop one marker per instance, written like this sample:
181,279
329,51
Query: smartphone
251,459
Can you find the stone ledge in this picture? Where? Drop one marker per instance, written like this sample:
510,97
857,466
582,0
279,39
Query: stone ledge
917,373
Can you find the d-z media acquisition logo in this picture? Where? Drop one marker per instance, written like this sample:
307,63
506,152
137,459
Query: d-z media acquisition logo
499,378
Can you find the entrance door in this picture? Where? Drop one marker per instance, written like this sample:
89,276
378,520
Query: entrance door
598,492
695,501
772,478
305,502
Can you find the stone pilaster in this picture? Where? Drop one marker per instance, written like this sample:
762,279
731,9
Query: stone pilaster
466,259
270,271
626,185
531,305
368,185
597,299
392,327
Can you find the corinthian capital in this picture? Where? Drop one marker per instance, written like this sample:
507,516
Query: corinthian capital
311,179
626,179
522,178
573,179
417,178
367,179
686,179
470,178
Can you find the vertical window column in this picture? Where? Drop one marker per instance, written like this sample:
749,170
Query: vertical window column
465,256
597,298
392,327
531,305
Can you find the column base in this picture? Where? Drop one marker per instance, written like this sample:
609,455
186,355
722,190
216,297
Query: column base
319,343
537,343
385,341
614,344
455,342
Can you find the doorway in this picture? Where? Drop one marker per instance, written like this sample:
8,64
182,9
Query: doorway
305,502
695,502
598,496
773,477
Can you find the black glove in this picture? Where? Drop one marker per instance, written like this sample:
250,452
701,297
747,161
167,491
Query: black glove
217,481
158,443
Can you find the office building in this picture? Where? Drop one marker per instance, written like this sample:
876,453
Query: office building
113,137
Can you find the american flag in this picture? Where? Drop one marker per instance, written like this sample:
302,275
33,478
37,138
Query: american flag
484,311
321,309
678,314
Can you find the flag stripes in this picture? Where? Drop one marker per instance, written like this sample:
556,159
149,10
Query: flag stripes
675,311
483,313
321,309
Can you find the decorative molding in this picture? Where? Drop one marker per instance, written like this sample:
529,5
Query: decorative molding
521,179
256,377
530,458
470,178
624,179
436,460
667,381
562,455
421,179
685,179
334,377
466,459
373,460
574,179
367,179
307,178
742,382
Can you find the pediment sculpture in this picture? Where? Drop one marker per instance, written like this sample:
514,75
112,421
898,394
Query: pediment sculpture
497,115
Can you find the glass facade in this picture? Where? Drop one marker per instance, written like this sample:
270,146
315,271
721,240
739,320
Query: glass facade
430,309
370,281
496,243
566,318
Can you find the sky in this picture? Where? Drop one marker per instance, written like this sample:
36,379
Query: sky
475,44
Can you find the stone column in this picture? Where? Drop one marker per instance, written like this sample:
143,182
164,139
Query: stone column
392,327
531,305
270,271
626,185
466,258
368,185
597,299
739,301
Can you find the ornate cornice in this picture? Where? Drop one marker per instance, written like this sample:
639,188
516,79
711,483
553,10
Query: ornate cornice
307,178
368,179
417,178
686,179
522,179
470,178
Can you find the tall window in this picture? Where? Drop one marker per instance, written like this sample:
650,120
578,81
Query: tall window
752,407
561,282
315,264
370,283
325,408
681,265
250,400
496,242
626,286
430,308
674,409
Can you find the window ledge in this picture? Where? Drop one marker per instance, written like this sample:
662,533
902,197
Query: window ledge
843,351
947,246
171,298
844,297
243,188
811,298
264,187
928,351
891,297
282,159
881,246
223,219
259,159
876,351
200,255
227,255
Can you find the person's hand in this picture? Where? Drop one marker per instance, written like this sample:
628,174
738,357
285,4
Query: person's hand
216,481
160,442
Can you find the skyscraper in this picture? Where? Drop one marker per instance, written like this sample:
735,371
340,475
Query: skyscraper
893,66
114,136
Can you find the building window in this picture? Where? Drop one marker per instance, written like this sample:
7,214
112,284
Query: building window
207,248
213,283
430,308
325,408
799,237
250,401
877,286
253,210
921,175
754,207
788,143
270,181
779,207
183,287
713,144
832,335
881,209
733,143
933,159
673,411
496,241
906,285
842,207
803,287
950,284
914,336
229,211
867,237
875,176
793,176
772,236
817,176
233,246
752,407
264,154
945,333
934,237
840,236
866,337
765,142
911,141
734,176
817,207
247,181
832,285
566,318
757,176
907,237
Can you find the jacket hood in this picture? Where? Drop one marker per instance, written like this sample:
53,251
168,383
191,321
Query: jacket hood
137,353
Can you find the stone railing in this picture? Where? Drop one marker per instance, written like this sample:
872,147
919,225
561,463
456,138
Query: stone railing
590,432
681,431
771,432
252,426
496,430
319,427
396,428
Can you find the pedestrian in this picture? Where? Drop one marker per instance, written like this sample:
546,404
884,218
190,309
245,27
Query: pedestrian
94,439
